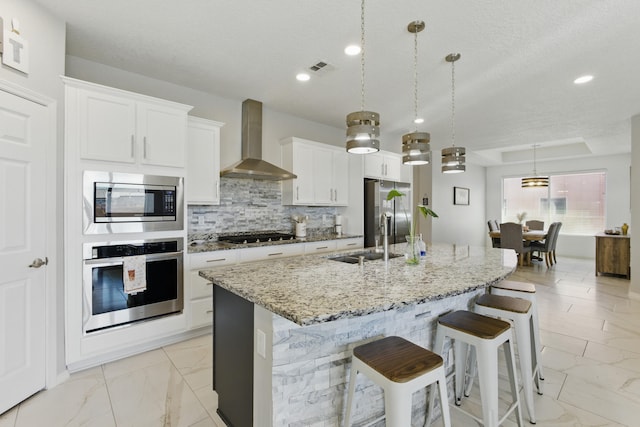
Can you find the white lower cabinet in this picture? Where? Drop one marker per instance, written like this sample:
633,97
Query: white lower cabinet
320,247
351,243
200,303
271,252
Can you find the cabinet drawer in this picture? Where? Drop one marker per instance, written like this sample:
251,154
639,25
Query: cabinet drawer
271,252
201,312
200,287
200,261
319,247
355,243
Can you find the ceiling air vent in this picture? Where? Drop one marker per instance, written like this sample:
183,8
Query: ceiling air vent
320,68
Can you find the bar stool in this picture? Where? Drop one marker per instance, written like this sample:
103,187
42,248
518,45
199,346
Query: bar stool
486,334
526,291
517,310
400,367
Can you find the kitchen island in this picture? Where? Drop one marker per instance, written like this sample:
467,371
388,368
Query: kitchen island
284,329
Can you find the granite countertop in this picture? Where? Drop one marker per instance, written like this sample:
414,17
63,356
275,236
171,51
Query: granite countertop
311,289
214,245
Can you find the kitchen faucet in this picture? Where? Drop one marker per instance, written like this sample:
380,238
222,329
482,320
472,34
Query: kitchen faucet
385,233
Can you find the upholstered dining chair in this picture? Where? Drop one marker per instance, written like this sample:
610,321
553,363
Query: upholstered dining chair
555,240
547,245
493,226
535,224
511,238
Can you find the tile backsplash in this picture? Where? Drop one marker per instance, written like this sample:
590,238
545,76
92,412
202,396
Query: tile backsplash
248,205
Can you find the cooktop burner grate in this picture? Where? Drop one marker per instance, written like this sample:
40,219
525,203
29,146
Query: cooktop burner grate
256,237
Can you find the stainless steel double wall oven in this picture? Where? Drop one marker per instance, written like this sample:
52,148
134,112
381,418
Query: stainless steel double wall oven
116,203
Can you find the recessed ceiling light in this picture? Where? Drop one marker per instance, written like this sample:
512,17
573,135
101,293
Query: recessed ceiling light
303,77
583,79
418,120
352,50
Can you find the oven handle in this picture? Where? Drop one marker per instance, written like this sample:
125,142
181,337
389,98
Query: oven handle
116,260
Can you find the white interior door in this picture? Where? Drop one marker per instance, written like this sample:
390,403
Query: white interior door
23,132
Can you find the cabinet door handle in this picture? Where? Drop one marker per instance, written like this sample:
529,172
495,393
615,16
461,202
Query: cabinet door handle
209,311
209,284
275,254
144,147
386,169
335,195
322,247
216,260
351,244
133,146
297,192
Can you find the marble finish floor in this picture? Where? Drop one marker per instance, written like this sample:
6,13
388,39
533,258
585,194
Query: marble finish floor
590,333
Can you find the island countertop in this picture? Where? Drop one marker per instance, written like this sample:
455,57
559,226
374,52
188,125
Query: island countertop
313,289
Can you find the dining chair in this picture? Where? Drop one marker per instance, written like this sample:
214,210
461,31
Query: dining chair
511,238
535,224
547,245
493,226
555,240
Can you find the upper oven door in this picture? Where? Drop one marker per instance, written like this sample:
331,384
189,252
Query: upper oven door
129,203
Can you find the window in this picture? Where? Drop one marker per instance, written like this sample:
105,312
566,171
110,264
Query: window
577,200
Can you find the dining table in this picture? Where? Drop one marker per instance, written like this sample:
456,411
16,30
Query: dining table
530,236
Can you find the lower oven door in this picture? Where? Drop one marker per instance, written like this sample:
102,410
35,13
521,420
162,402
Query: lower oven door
105,304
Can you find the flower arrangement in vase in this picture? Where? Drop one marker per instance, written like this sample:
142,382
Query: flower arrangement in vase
412,254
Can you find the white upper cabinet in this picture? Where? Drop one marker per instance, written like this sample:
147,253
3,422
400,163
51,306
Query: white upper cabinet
119,126
383,165
322,173
203,162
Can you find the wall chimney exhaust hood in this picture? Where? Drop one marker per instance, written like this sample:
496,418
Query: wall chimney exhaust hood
252,166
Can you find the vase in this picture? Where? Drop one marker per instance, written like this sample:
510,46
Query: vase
625,229
412,250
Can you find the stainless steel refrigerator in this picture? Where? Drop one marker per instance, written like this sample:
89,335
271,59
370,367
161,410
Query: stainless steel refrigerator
399,210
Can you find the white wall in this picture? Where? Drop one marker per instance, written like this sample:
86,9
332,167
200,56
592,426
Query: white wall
460,224
635,206
46,37
618,209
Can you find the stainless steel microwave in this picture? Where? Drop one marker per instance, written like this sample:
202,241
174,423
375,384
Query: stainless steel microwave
129,203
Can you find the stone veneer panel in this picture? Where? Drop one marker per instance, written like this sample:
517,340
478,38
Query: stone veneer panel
253,205
311,364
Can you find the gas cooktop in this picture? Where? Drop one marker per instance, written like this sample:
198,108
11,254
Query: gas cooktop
256,237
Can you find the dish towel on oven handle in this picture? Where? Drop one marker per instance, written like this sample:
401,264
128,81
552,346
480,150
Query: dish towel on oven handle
134,274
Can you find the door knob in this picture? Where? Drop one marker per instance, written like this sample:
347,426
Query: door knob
37,263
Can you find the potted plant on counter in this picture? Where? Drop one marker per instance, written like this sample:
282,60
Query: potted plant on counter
412,254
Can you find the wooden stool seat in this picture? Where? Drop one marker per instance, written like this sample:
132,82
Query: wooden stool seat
474,324
511,285
500,302
397,359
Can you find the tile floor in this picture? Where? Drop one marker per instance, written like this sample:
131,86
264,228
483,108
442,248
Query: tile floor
590,332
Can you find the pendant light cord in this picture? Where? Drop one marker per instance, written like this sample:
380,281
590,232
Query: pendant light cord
453,103
415,78
362,55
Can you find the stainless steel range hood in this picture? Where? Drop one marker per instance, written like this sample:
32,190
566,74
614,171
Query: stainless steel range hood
252,166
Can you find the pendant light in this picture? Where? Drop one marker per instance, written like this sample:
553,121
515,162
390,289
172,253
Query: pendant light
453,157
535,181
415,145
362,126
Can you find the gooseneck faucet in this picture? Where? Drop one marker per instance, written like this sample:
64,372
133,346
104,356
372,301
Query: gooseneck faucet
384,224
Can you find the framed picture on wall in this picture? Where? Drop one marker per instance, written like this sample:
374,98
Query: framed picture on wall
460,196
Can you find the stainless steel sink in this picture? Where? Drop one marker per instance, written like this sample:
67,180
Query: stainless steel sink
367,256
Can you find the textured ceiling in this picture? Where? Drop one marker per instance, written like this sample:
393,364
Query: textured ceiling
514,82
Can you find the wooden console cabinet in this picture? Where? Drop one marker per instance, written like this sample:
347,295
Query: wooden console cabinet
613,254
